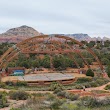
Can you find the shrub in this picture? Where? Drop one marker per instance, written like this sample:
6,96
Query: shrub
56,85
4,93
93,84
15,109
18,95
100,81
62,93
108,70
57,90
105,101
107,87
73,97
60,69
2,85
55,105
94,102
67,95
86,85
69,106
3,101
83,80
90,73
78,86
9,83
106,80
51,97
37,94
88,101
21,83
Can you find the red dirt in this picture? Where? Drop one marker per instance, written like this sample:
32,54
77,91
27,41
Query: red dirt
88,92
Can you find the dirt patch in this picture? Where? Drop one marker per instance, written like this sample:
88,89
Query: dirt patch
9,78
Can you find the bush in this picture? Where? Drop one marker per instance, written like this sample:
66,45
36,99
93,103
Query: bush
93,84
57,90
73,97
100,81
90,73
55,105
21,83
89,101
105,101
108,70
2,85
60,69
3,101
4,93
78,86
9,83
67,95
37,95
69,106
106,80
51,97
18,95
86,85
15,109
56,85
94,102
83,80
107,87
62,93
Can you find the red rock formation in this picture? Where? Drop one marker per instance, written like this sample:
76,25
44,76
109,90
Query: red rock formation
18,34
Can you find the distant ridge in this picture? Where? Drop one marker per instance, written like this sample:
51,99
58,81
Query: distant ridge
85,37
80,36
21,33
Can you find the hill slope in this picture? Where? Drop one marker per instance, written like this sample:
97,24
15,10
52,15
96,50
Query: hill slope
23,32
18,34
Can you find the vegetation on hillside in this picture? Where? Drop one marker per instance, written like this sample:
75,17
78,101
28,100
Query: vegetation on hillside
90,73
61,62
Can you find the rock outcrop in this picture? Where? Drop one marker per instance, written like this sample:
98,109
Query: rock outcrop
21,33
18,34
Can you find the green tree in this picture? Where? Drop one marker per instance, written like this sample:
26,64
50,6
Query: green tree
91,44
104,61
46,62
90,73
12,64
108,70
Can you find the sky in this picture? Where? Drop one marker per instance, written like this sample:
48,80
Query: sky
57,16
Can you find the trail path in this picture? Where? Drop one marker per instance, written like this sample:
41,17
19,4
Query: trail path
18,103
98,88
94,88
88,89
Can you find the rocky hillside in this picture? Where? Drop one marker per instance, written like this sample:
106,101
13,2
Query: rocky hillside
21,33
18,34
80,36
85,37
